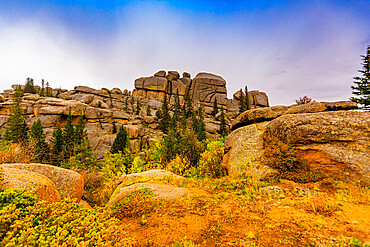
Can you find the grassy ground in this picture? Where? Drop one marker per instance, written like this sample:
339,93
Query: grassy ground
234,212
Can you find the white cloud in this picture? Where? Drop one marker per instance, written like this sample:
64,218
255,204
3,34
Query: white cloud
287,56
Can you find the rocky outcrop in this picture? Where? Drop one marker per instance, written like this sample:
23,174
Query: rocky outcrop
156,173
101,108
244,151
160,191
69,184
336,143
33,182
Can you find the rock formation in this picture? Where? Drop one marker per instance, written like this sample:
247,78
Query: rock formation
49,183
326,137
101,108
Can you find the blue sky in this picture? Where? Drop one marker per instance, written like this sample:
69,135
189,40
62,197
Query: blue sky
286,48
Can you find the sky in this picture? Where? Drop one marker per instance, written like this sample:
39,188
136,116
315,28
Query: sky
287,49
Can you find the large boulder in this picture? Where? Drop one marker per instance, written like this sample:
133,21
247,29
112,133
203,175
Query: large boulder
33,182
160,191
258,115
207,87
244,151
154,83
69,184
156,173
335,142
88,90
311,107
2,98
160,73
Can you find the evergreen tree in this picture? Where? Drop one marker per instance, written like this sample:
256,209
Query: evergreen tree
121,142
38,145
246,99
84,157
68,138
148,111
57,144
165,116
177,106
114,130
362,84
215,108
126,104
201,134
138,107
42,89
188,104
195,123
48,92
57,94
80,132
17,129
241,102
223,130
29,87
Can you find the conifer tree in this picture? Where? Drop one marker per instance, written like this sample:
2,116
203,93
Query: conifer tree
114,129
188,104
362,84
223,130
48,91
17,129
57,94
201,134
68,138
57,144
29,87
165,116
79,132
195,123
177,106
138,107
121,142
38,145
42,89
126,104
241,102
215,108
148,111
246,99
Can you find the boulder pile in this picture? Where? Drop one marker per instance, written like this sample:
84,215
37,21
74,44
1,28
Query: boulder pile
102,108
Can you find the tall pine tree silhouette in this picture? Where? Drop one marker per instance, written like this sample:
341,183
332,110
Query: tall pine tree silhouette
362,84
39,147
57,144
121,142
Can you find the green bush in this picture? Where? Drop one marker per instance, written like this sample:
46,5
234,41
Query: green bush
211,159
59,224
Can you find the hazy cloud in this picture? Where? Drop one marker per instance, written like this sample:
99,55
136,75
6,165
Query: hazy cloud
287,52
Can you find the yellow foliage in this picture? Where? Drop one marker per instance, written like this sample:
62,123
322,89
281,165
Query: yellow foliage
13,153
60,224
211,159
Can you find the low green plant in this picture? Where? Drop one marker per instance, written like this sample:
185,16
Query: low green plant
137,165
60,224
211,159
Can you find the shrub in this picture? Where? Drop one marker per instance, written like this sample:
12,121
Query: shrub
84,157
211,159
180,166
61,224
13,153
280,155
135,204
113,165
137,165
303,100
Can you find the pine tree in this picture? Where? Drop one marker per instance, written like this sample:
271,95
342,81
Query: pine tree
148,111
201,134
177,106
125,107
48,92
138,107
215,108
80,132
68,138
42,89
57,94
121,141
17,129
29,87
223,130
195,123
114,129
362,84
165,116
246,99
57,144
188,104
38,145
241,102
